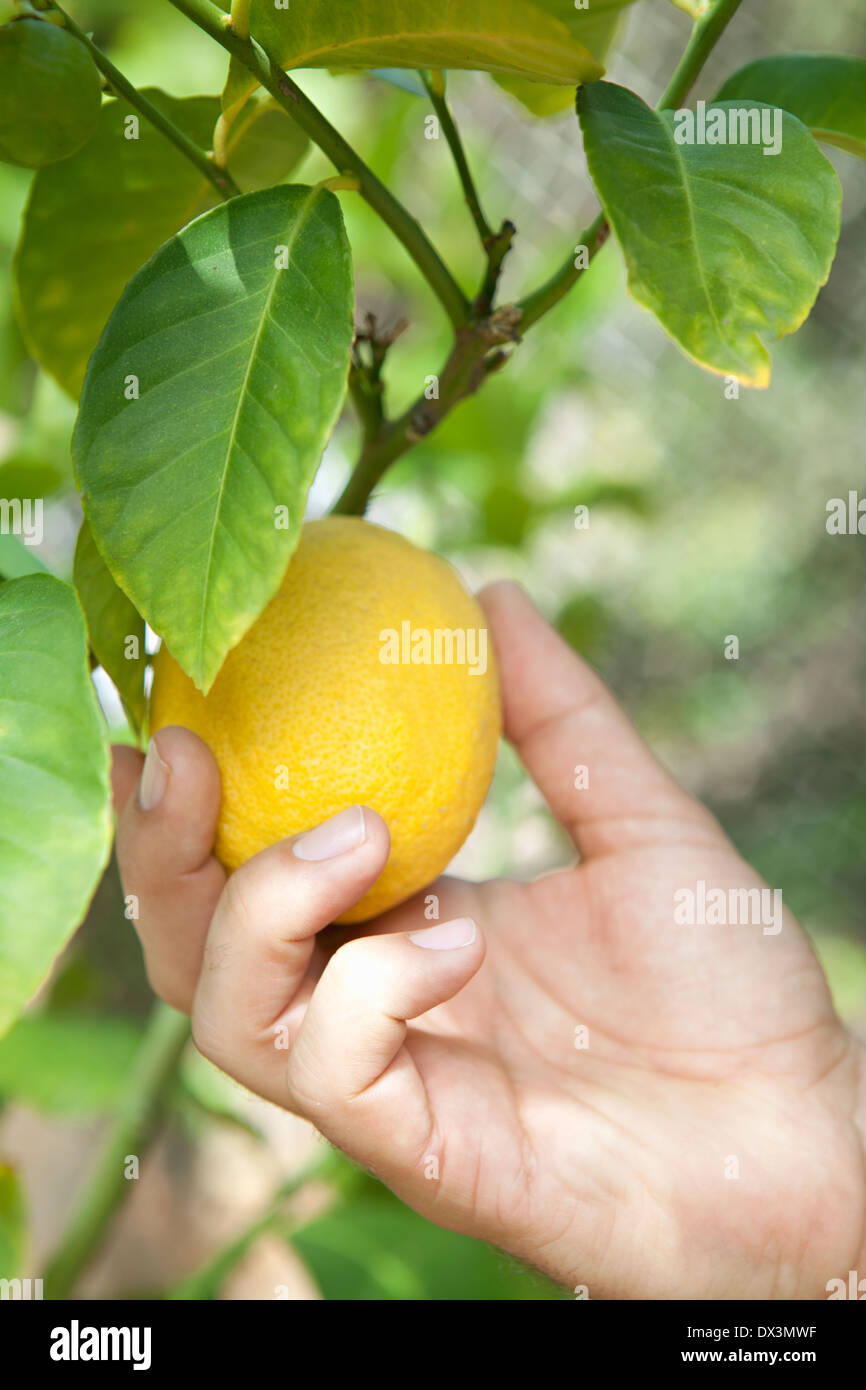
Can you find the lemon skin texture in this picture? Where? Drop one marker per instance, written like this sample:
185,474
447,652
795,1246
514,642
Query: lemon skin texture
304,719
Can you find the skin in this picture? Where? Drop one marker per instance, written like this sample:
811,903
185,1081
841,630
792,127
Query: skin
704,1138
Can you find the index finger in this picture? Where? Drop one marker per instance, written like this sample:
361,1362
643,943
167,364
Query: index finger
596,773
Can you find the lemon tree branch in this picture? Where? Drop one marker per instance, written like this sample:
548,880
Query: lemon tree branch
214,173
435,86
140,1109
288,94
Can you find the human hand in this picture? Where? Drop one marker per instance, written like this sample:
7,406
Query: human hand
708,1141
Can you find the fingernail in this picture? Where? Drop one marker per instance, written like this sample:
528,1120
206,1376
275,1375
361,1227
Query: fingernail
154,778
345,830
447,936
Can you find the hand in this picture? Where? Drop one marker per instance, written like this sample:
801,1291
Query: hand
707,1141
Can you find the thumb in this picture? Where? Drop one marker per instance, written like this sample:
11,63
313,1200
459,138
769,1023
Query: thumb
350,1071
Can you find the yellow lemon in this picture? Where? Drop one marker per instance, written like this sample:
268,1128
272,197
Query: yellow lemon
369,678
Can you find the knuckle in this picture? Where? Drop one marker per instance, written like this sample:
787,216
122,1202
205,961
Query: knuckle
348,967
359,970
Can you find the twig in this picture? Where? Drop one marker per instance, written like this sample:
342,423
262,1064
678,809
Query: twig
206,1282
435,85
219,177
289,95
705,35
144,1096
478,351
543,299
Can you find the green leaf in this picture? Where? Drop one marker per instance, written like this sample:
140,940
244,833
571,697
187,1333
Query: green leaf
724,244
509,36
117,201
13,1235
826,91
374,1247
264,145
55,822
17,559
22,477
115,628
23,482
50,93
595,28
242,368
67,1065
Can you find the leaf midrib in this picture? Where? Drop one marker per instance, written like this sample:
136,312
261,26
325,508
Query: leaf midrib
522,41
300,220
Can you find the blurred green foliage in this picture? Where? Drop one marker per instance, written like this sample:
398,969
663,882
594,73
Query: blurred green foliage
372,1247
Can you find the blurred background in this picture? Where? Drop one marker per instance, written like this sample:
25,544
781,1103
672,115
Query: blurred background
706,520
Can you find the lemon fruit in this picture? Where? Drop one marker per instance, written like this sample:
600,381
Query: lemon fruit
335,696
50,93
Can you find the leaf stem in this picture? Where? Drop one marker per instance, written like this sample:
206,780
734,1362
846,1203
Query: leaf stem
498,248
705,35
289,95
478,351
541,300
435,86
150,1078
219,177
240,17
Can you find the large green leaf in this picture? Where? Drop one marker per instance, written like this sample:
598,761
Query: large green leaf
115,628
374,1247
241,366
594,27
727,246
92,220
55,822
508,36
826,91
12,1223
67,1065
